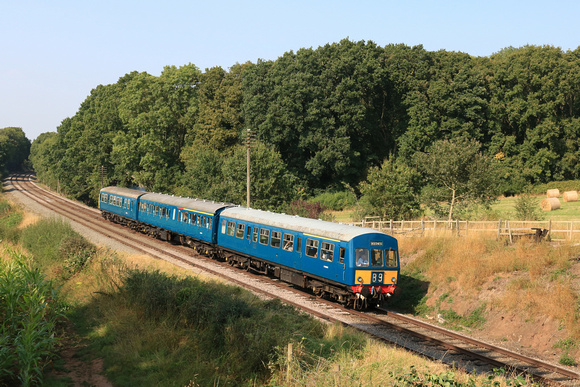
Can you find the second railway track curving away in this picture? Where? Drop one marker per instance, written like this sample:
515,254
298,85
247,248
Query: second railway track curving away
415,335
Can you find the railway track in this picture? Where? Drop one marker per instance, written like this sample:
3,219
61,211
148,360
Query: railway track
413,334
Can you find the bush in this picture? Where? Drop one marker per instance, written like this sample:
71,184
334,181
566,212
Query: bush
305,209
335,201
527,208
76,251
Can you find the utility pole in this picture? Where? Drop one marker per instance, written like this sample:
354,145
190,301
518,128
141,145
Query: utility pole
248,143
102,173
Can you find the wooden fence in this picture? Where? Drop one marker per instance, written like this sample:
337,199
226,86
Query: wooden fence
511,229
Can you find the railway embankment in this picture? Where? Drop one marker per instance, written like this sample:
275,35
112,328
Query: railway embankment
524,295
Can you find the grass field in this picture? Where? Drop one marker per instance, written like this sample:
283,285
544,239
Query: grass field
504,208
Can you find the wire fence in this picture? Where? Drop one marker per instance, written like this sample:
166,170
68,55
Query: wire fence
511,229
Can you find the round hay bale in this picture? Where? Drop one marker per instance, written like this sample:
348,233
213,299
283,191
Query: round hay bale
553,193
550,204
570,196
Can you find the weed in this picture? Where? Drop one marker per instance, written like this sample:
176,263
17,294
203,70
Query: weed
567,360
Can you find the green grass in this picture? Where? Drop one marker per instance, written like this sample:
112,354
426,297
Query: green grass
505,209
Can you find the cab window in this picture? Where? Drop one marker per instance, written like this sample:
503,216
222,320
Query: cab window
377,257
311,248
361,257
327,251
391,258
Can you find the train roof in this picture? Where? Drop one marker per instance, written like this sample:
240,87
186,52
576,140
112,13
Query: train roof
317,227
205,206
121,191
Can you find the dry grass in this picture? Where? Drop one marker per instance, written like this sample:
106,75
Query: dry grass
375,366
538,276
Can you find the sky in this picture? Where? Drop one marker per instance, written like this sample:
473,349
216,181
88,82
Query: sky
54,52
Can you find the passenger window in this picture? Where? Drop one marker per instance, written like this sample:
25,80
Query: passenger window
288,244
341,255
327,251
391,258
311,248
223,226
240,232
231,228
255,235
377,258
264,235
276,237
362,257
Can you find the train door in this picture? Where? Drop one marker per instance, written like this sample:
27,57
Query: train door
252,242
298,254
291,254
342,263
329,258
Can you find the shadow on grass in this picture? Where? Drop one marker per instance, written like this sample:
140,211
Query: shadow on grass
410,294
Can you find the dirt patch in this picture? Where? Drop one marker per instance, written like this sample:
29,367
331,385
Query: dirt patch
79,371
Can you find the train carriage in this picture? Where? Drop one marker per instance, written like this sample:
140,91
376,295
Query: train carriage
190,220
119,204
350,264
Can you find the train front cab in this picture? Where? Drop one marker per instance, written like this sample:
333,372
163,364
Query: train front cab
374,263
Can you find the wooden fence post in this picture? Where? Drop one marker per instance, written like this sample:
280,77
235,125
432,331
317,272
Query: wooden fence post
289,362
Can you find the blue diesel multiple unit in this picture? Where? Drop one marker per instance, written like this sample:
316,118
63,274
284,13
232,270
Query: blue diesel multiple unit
353,265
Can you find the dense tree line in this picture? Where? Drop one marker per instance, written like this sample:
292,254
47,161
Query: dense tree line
14,150
325,119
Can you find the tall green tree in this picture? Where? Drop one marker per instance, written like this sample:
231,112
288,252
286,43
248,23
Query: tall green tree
457,175
391,191
221,176
324,110
158,112
447,100
534,101
14,149
219,121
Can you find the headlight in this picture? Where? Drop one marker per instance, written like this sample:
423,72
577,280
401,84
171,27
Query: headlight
359,279
394,280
